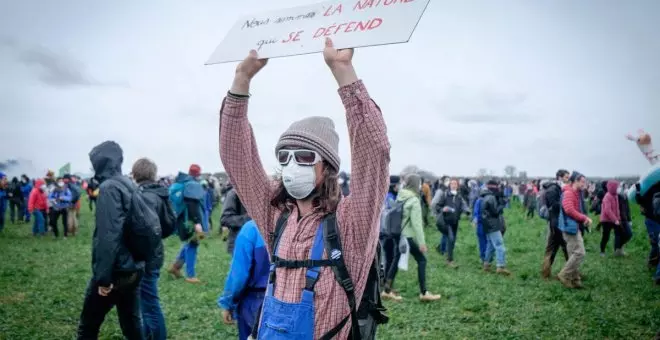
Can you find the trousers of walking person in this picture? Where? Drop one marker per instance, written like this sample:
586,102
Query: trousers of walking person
54,215
621,232
392,256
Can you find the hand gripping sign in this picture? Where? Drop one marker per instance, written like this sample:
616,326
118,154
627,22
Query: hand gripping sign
302,30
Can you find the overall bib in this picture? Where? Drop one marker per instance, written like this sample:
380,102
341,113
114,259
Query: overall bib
292,321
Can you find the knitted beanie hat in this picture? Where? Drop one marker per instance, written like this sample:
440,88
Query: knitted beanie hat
575,176
313,133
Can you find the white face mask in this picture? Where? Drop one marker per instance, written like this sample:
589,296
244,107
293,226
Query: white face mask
43,188
454,192
299,181
447,183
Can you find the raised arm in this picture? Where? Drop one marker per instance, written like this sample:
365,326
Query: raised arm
238,147
370,155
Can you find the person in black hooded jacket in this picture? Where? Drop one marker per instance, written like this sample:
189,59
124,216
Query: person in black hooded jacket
116,275
234,216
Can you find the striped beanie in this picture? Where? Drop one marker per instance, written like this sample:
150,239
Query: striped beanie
313,133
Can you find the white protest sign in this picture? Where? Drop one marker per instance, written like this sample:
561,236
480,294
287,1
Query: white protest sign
302,30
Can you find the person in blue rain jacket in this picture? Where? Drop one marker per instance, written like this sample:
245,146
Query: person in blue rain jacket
59,200
246,282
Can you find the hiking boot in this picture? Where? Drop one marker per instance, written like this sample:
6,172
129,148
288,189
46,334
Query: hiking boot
566,282
175,270
546,270
602,254
577,284
390,296
620,253
428,297
487,267
503,271
452,264
193,280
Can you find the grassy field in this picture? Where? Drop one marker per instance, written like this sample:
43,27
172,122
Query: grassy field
42,282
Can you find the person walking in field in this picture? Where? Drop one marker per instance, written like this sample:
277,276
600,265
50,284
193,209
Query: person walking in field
491,210
144,173
302,209
234,216
3,199
610,216
247,280
59,202
551,199
187,196
571,217
38,206
26,189
450,208
413,230
116,273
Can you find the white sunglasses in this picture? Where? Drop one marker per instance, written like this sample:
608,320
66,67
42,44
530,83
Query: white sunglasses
301,157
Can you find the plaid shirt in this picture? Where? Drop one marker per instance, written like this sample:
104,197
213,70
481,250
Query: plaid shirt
357,214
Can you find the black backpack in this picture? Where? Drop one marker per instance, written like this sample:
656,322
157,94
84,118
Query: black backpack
392,221
370,312
142,230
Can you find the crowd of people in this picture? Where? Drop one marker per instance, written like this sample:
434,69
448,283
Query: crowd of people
313,249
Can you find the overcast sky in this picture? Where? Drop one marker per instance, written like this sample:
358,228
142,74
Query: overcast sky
481,84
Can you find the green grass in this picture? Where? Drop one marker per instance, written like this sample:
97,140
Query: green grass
42,282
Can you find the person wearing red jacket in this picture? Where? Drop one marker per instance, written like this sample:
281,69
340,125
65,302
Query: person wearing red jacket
610,216
38,207
571,217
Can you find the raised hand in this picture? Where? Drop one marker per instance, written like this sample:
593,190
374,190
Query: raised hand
340,63
245,71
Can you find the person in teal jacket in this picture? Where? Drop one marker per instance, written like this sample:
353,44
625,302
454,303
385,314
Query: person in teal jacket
247,280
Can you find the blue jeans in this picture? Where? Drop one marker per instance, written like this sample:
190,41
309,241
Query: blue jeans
39,224
188,255
482,242
153,320
496,246
653,229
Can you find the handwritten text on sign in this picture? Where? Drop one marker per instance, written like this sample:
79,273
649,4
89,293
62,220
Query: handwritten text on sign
302,30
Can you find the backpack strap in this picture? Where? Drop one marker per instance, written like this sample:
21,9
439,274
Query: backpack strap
334,249
274,241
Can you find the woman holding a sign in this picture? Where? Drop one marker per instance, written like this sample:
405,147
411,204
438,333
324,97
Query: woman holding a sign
314,238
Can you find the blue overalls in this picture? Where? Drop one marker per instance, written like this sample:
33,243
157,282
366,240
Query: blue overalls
292,321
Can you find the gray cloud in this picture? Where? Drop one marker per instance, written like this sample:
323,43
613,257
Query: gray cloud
55,69
467,106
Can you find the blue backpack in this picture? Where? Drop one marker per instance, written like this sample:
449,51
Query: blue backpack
183,228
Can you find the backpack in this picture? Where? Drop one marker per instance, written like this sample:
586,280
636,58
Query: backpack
650,202
166,216
184,229
392,222
76,191
142,225
549,204
370,312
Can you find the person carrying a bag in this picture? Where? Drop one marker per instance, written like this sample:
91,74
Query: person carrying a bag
413,231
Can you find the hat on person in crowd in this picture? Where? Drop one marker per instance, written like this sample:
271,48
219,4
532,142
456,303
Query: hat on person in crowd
313,133
394,179
66,178
412,181
575,176
195,170
2,175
